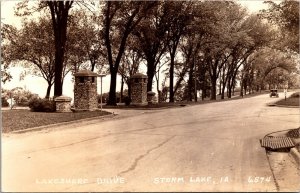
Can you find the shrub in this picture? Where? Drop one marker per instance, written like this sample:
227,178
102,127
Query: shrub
295,95
127,100
42,105
23,102
104,98
4,102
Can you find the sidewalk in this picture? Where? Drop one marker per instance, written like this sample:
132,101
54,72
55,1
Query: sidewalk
285,162
294,135
295,151
15,108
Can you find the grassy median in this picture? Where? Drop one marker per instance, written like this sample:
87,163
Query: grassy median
14,120
293,100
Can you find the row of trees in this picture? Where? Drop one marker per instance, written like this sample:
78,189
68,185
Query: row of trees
200,45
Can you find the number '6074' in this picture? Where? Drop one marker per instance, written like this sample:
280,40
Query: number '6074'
258,179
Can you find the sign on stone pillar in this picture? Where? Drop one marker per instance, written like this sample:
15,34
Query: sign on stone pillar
85,91
139,89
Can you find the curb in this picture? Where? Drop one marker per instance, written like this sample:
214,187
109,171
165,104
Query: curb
295,154
275,105
60,124
150,108
271,104
286,106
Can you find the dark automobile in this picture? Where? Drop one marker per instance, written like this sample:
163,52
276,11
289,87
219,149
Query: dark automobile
273,92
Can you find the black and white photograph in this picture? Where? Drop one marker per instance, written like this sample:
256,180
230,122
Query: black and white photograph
150,96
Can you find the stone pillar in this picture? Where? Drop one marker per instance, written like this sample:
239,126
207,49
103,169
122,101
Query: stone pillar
139,89
85,91
63,104
150,97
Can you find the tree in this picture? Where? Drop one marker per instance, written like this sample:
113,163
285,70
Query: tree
32,46
151,34
261,35
84,45
198,34
269,63
8,37
119,20
179,17
130,64
192,41
59,11
286,16
59,14
245,35
19,95
157,76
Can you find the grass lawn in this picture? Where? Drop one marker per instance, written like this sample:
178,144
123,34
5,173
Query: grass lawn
13,120
294,100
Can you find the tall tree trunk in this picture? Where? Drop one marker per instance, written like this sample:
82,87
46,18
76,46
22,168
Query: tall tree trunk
229,91
59,14
93,64
157,87
48,90
112,90
196,97
59,61
172,64
129,89
223,91
242,87
233,86
213,79
220,87
121,91
195,85
213,88
150,73
190,82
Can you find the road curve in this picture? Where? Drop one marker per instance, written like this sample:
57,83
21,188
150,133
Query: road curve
209,147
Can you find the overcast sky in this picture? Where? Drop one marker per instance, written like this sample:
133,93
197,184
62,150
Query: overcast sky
38,85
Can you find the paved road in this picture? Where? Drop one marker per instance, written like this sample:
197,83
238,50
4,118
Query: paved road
209,147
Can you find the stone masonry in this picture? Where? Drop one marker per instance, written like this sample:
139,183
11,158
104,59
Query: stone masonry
150,97
63,104
85,91
139,89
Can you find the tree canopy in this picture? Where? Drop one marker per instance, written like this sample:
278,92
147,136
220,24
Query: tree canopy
209,46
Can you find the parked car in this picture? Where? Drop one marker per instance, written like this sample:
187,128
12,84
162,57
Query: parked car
273,92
